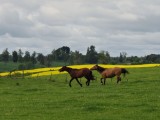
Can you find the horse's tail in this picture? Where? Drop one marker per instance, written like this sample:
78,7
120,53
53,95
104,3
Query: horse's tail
91,76
124,71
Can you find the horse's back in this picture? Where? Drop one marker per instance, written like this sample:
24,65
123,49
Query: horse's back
117,70
81,72
85,71
111,72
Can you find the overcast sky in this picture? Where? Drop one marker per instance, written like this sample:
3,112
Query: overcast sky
131,26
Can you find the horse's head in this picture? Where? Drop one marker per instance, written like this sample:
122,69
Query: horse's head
98,68
94,67
64,68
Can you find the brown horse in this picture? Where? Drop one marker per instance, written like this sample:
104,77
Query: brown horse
78,73
110,73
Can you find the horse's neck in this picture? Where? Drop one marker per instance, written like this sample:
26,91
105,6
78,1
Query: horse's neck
72,72
100,69
69,70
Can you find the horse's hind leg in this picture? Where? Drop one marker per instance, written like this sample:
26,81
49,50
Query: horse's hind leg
78,82
101,81
125,77
87,82
104,81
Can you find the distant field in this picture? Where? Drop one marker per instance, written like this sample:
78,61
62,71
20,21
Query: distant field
50,97
54,70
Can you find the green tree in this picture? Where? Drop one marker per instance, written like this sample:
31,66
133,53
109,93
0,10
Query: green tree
122,57
91,55
134,59
41,58
27,56
20,55
15,56
33,58
48,60
152,58
5,55
61,54
103,57
76,58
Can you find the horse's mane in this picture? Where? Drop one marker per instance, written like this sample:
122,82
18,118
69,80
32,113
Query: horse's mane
100,69
69,68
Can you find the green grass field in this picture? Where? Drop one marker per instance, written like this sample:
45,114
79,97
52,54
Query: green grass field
46,98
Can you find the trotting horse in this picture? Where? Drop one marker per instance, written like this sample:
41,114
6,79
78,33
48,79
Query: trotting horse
78,73
110,73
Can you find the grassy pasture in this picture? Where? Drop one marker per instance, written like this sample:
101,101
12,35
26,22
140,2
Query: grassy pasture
50,98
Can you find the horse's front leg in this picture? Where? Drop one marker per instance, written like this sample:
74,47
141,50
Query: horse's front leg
78,82
118,79
70,82
104,81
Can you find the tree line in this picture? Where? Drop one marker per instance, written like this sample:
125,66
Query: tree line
67,57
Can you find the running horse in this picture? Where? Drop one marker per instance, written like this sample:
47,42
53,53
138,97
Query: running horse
110,73
78,73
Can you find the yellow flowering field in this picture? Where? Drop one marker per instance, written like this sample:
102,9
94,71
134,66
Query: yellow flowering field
122,66
54,70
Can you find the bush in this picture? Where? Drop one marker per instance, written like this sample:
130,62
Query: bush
26,66
21,67
30,66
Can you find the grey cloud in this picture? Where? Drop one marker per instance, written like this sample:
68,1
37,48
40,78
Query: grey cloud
115,26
